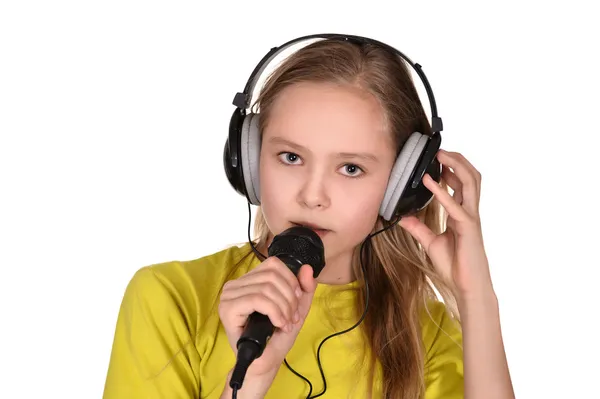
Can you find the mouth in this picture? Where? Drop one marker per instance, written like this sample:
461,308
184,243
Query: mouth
316,228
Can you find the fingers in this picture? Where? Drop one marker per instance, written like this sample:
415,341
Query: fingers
271,289
238,309
454,183
273,283
459,159
306,280
455,210
275,264
469,179
269,292
418,230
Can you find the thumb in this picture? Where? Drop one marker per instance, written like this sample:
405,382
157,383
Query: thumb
307,282
418,230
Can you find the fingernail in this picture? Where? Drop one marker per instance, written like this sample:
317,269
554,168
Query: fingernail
296,317
298,292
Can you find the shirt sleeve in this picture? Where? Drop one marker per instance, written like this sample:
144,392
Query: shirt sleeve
153,353
444,376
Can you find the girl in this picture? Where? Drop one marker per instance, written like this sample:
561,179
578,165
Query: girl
333,118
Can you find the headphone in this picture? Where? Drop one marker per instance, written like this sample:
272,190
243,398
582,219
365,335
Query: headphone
405,193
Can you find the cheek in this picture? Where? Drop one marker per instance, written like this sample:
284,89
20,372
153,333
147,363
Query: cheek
273,183
360,209
275,194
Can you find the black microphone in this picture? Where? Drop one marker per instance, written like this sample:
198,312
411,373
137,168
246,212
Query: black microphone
295,247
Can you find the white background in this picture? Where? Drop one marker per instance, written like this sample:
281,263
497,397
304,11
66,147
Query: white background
113,117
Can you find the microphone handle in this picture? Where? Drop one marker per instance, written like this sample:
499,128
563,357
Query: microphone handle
259,328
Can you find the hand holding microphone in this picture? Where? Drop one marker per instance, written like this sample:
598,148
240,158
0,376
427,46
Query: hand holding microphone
263,311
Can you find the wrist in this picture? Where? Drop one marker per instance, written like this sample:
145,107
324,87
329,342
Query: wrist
480,309
481,300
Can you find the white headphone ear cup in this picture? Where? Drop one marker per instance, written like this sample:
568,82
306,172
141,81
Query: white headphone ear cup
401,172
250,154
250,151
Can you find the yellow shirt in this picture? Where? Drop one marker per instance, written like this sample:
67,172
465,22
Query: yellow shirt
169,342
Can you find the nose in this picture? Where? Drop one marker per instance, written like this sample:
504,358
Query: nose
313,194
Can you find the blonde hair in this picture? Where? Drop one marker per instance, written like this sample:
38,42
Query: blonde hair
401,277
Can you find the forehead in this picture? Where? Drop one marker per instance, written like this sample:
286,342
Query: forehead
329,116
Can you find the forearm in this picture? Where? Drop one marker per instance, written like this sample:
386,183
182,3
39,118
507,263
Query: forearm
485,365
253,387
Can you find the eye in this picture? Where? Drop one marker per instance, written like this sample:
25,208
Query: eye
288,157
352,170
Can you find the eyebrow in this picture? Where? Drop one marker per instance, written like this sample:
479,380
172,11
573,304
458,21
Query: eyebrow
362,155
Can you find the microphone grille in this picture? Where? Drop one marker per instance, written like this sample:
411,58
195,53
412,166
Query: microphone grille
301,243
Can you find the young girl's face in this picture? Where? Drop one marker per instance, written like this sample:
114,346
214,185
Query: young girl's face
325,161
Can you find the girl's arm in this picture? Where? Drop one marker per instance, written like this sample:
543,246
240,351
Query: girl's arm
485,365
459,256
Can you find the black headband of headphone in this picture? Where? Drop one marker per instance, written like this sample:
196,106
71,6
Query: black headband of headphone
242,101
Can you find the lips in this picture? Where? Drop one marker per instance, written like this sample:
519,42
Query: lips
321,231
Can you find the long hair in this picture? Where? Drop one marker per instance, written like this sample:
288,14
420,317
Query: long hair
400,275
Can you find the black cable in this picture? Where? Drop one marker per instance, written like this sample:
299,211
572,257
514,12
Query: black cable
258,254
310,387
234,393
362,264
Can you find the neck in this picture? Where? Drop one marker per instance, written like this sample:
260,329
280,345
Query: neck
337,270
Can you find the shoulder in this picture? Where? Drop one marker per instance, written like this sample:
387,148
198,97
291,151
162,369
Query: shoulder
188,287
442,340
205,272
164,307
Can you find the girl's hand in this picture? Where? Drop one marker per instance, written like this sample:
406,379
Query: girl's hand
458,254
273,290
